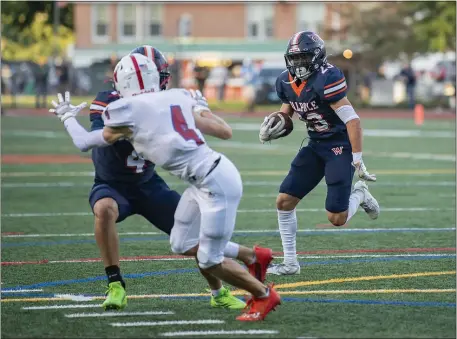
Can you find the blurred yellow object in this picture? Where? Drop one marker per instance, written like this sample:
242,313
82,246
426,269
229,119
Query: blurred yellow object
347,53
449,90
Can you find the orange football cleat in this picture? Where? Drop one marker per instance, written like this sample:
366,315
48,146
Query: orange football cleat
260,307
258,269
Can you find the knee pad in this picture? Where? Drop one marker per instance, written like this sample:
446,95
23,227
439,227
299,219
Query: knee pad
207,259
180,245
337,200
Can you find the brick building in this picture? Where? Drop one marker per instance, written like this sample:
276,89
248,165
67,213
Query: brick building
187,30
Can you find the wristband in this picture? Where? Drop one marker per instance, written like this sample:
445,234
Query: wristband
356,157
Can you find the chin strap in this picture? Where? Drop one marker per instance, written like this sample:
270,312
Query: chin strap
291,82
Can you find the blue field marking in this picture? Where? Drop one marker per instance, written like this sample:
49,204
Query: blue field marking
194,270
100,278
237,234
373,302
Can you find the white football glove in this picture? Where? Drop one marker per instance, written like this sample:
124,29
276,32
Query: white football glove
201,102
199,98
64,110
362,172
269,132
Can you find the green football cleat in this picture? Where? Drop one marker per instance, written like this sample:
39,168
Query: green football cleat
116,297
226,300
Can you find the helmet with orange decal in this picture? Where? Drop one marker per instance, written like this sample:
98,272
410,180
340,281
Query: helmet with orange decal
305,54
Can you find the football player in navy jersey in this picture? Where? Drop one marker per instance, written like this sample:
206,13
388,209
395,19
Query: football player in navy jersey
125,184
316,91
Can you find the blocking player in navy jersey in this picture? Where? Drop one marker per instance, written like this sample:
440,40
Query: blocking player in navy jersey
126,184
316,91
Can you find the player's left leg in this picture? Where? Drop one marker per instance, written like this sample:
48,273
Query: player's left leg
342,203
218,197
158,206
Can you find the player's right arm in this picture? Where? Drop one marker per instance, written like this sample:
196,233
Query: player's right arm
83,139
210,124
267,130
207,122
287,108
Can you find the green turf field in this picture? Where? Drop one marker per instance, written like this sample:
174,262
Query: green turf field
393,277
28,101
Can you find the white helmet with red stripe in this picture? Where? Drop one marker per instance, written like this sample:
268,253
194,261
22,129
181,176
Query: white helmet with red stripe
135,74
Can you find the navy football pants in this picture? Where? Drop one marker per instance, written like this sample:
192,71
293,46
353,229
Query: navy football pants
153,200
317,160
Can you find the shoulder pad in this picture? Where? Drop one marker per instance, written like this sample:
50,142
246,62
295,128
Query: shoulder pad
283,77
118,113
333,85
102,100
183,94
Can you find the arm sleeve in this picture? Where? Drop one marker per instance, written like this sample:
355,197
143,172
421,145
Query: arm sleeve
280,90
346,113
335,86
82,139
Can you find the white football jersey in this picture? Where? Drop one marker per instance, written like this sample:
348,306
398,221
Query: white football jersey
164,131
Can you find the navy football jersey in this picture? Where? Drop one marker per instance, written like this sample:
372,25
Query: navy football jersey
311,100
119,162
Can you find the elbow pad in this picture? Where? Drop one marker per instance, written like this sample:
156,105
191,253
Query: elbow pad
346,113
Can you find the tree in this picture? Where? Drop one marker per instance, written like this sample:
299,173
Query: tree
387,30
37,41
434,23
18,16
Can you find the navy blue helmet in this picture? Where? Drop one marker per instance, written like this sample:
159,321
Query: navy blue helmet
159,59
305,54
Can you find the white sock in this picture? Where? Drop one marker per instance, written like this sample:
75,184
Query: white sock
355,199
288,228
215,293
231,250
266,295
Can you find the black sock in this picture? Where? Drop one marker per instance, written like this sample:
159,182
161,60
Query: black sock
114,274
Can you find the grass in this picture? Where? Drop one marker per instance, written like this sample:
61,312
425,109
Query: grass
28,101
418,201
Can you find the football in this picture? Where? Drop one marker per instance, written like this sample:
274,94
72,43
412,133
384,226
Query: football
289,124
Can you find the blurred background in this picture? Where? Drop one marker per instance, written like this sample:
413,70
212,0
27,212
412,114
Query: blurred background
394,54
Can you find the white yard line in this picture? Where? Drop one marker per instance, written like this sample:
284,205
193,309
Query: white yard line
21,291
410,155
57,307
117,314
322,256
73,297
73,214
167,323
213,333
387,133
338,230
245,183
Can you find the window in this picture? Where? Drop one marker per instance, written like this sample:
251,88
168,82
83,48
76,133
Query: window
260,24
153,14
100,20
185,26
127,21
310,16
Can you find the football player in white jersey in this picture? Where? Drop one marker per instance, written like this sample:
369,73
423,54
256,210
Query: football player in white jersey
166,128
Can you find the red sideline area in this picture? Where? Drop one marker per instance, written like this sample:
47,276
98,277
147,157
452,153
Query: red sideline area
159,257
364,113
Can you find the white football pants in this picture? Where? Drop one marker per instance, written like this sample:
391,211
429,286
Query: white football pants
206,214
